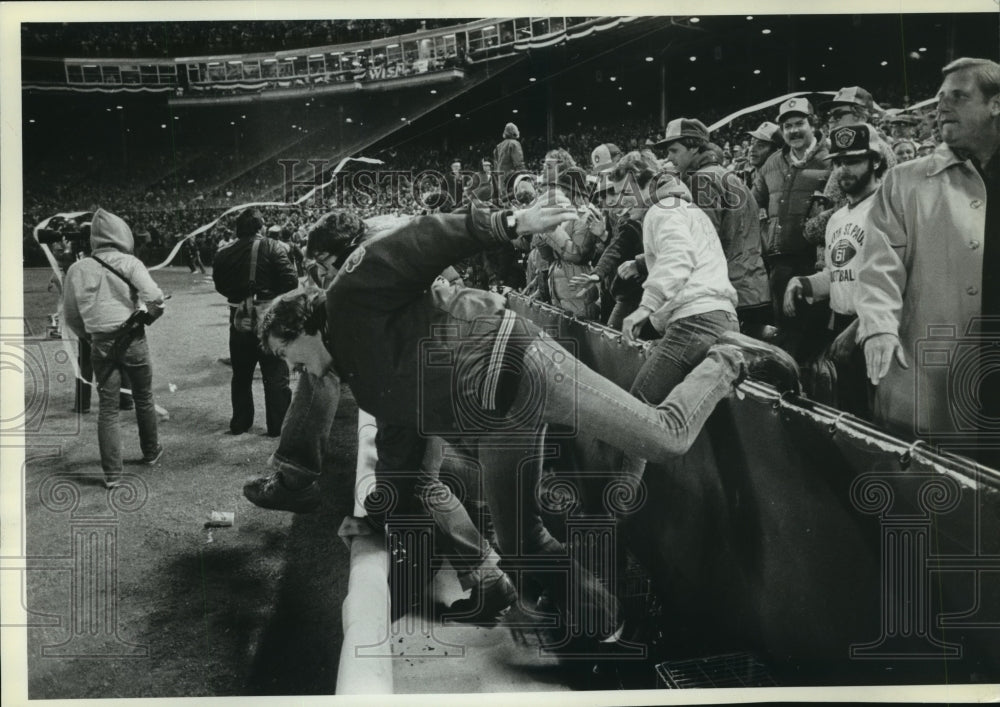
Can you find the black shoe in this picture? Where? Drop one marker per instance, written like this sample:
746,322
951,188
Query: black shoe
271,492
153,458
485,606
763,361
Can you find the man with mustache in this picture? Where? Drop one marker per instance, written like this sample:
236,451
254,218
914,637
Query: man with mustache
933,243
785,187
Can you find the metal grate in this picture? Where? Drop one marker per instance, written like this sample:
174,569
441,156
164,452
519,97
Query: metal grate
730,670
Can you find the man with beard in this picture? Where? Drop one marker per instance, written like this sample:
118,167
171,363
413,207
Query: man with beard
931,258
856,154
785,186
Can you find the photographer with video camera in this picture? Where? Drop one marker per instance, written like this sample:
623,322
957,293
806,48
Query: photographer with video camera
108,299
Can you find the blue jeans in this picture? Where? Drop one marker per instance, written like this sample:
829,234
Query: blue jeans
676,353
111,357
245,353
410,464
558,389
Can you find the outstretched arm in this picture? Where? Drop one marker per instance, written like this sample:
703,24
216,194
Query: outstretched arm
390,269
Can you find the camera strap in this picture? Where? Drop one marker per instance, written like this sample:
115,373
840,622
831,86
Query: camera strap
132,288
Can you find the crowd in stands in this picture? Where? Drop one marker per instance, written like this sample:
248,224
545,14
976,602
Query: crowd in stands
171,39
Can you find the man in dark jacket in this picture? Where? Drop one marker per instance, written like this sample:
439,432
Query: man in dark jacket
455,363
508,158
273,276
786,186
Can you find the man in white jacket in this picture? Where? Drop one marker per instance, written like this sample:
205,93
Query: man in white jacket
688,302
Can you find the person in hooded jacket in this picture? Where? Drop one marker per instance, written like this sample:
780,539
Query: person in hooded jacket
733,212
98,300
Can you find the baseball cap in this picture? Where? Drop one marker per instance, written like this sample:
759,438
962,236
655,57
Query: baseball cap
800,106
604,157
684,127
851,96
766,131
900,119
852,140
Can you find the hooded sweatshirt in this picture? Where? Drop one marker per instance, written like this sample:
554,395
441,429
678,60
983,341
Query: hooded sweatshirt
95,300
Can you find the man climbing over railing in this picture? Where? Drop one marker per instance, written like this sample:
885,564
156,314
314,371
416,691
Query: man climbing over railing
455,363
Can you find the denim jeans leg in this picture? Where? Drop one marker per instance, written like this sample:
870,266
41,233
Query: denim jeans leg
243,350
137,364
681,348
277,394
305,431
410,465
575,396
511,473
459,539
106,371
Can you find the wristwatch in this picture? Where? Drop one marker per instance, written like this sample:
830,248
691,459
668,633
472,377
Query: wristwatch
511,221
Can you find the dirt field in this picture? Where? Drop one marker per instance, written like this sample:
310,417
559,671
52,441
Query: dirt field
128,594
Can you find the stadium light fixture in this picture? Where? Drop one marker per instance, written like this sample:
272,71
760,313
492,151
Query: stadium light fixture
514,111
118,107
348,120
802,78
31,120
190,181
391,46
612,79
458,115
569,103
693,88
693,58
649,58
756,72
532,79
619,88
402,120
163,126
433,91
628,103
822,66
922,49
108,110
233,122
765,31
749,17
585,107
695,20
885,63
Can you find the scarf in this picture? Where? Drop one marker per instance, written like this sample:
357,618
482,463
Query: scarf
808,156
